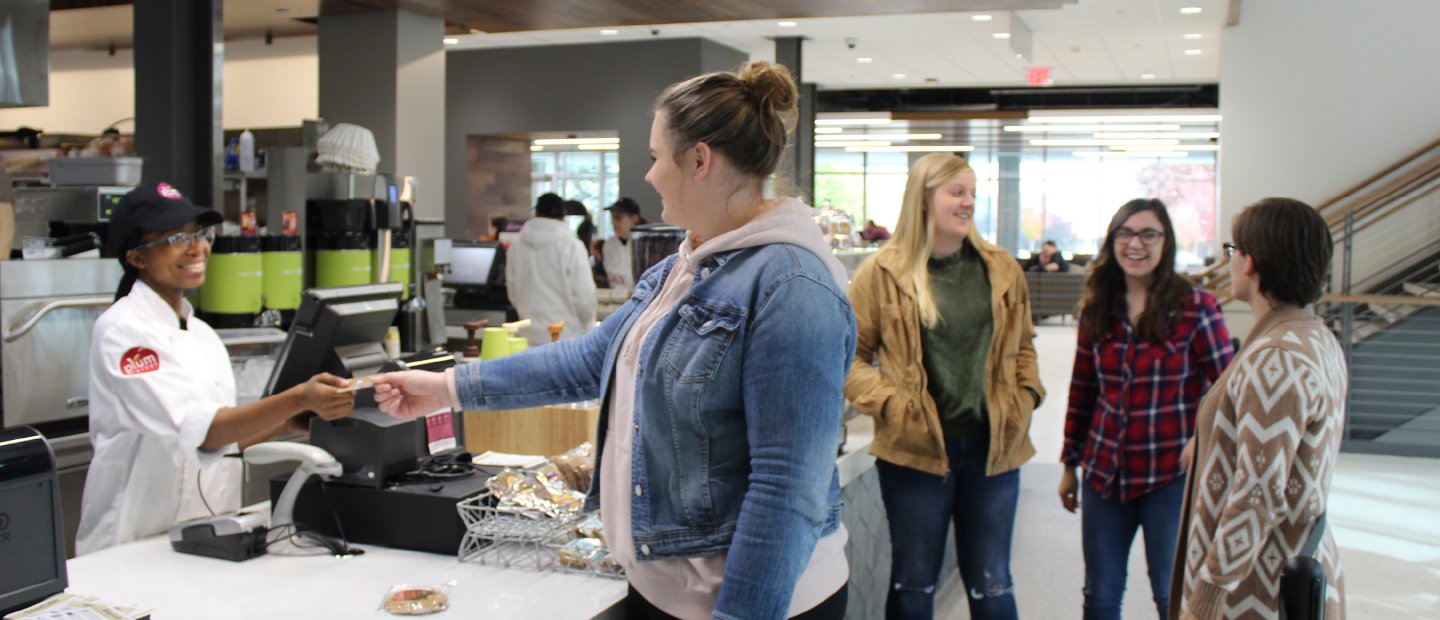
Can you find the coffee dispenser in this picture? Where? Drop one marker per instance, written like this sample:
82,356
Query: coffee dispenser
232,293
340,237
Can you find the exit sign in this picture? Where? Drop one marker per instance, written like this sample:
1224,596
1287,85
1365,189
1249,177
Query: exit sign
1038,76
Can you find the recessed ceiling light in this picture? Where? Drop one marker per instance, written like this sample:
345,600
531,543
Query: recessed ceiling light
1190,10
1147,76
451,40
574,141
829,130
864,60
609,32
787,24
1192,52
1194,37
898,76
1001,35
981,18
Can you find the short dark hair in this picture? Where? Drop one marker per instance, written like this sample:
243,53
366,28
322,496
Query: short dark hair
550,205
1052,244
1291,246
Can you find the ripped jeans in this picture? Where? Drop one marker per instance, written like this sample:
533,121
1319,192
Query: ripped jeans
921,507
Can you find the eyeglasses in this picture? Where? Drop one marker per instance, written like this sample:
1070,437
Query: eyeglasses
182,240
1149,236
1230,249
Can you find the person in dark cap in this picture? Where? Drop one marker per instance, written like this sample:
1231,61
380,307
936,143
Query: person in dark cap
163,408
624,214
547,274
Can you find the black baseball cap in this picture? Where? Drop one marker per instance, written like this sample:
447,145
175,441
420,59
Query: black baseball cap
625,205
550,205
156,207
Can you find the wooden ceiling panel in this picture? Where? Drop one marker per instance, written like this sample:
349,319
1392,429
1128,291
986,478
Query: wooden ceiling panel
497,16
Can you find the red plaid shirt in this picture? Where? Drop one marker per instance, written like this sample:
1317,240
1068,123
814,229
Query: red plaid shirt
1133,402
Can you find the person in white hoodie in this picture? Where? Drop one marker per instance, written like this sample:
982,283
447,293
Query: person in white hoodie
547,273
720,379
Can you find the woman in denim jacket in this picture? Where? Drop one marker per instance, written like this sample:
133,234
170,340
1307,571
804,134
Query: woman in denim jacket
720,379
946,315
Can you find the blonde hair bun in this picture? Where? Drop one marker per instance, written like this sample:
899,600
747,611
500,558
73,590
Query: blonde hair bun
771,84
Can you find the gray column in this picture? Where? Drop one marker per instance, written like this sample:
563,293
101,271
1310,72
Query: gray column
179,47
385,71
797,165
1007,211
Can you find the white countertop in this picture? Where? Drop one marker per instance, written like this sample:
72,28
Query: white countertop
175,585
149,573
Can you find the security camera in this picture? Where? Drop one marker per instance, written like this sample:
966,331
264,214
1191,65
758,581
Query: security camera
655,32
851,42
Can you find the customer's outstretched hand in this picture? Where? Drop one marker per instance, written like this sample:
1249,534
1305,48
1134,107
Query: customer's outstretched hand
412,393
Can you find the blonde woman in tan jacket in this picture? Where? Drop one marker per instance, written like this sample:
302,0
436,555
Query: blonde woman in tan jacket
946,316
1268,431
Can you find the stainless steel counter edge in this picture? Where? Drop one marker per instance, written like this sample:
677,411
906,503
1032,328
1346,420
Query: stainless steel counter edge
855,457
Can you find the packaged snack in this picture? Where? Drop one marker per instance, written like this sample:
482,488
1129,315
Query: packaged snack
577,465
408,600
590,527
583,553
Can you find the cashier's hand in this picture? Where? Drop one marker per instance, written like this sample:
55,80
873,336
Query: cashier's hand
412,393
319,395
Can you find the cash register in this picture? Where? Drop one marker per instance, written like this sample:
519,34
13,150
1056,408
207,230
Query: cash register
401,477
32,541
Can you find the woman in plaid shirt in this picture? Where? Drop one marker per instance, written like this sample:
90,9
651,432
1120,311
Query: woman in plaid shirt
1149,346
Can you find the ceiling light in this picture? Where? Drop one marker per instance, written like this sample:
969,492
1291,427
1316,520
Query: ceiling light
864,60
1190,10
1192,52
1129,154
609,32
1156,118
829,130
535,148
1089,142
1188,147
938,148
598,147
1182,135
1001,35
451,40
981,18
847,145
853,118
787,24
1194,37
1147,76
565,141
880,136
898,76
1089,128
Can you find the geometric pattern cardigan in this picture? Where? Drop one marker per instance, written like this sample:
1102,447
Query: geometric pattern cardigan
1268,434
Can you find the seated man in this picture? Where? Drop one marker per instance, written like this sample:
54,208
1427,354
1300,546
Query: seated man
1048,259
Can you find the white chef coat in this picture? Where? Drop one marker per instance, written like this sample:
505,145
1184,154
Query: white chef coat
617,263
154,390
547,274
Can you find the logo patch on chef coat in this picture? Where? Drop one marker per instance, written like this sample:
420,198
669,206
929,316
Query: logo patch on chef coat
139,360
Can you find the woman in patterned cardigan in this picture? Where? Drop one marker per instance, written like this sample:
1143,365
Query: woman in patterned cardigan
1269,430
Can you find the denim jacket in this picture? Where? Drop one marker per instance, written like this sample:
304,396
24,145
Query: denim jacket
736,416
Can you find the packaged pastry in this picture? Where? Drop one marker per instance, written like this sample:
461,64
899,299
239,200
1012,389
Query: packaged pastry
584,553
408,600
577,465
590,527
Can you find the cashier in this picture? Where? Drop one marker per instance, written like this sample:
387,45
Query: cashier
162,395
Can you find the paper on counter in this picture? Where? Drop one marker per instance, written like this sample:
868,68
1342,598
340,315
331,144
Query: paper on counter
502,459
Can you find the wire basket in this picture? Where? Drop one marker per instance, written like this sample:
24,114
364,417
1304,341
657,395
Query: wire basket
511,537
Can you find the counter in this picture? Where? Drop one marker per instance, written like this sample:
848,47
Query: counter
149,573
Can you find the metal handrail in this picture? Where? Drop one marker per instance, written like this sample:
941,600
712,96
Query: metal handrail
15,333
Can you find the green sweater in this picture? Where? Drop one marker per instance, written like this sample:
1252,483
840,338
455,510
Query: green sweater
956,348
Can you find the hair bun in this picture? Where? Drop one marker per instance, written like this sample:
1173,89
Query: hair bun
771,84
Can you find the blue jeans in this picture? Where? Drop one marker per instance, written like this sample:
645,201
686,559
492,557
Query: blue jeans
1107,529
921,507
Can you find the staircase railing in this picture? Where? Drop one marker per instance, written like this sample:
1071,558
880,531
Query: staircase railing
1388,319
